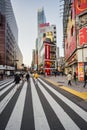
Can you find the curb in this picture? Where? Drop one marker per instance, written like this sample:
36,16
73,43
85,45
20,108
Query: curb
82,95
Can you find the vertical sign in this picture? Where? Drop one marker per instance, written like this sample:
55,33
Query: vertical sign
47,51
81,71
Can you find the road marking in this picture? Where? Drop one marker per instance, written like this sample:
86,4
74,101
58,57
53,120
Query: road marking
82,95
3,91
72,105
7,98
39,115
65,120
5,84
14,122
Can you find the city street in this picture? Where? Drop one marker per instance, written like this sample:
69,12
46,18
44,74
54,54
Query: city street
41,106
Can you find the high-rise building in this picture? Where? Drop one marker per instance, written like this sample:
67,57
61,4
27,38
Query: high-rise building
48,48
46,44
10,54
41,18
75,36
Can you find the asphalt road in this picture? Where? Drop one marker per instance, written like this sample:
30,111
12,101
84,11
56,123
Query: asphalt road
40,107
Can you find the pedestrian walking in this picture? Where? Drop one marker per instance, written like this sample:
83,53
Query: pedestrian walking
27,77
17,80
1,76
74,77
55,73
85,79
69,78
36,76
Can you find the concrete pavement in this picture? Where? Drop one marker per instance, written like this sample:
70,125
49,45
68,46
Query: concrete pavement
76,88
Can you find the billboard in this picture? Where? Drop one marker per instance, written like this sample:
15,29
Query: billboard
81,6
48,37
70,40
47,58
47,51
83,36
81,71
44,25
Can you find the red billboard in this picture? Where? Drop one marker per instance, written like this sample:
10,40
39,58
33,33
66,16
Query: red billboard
83,36
47,51
81,6
44,25
70,40
47,58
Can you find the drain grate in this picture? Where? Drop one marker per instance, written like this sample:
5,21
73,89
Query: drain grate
60,82
60,85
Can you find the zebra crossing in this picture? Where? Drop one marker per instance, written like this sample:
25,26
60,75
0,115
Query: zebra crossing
38,107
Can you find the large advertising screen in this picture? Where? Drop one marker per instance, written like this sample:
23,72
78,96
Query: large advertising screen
81,6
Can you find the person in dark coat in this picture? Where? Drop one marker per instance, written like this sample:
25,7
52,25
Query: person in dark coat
85,80
27,76
17,80
75,77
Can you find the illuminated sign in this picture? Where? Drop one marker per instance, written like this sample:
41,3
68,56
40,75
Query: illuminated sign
47,51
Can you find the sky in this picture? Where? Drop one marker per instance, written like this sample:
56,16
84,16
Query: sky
25,12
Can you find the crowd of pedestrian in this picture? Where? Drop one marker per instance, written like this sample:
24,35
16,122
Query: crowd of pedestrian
26,76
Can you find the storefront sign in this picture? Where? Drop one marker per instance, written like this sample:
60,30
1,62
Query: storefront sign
81,71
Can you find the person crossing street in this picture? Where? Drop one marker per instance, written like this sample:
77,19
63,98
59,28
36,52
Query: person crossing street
36,76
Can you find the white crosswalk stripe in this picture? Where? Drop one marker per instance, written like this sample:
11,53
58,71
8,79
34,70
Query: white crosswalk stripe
3,91
41,122
4,81
39,115
7,98
16,117
69,124
77,109
6,84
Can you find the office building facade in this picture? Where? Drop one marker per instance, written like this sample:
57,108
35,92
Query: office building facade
10,54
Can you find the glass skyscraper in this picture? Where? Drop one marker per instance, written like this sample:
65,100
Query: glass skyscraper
9,49
41,16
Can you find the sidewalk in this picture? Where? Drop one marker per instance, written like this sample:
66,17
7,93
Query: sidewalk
61,81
